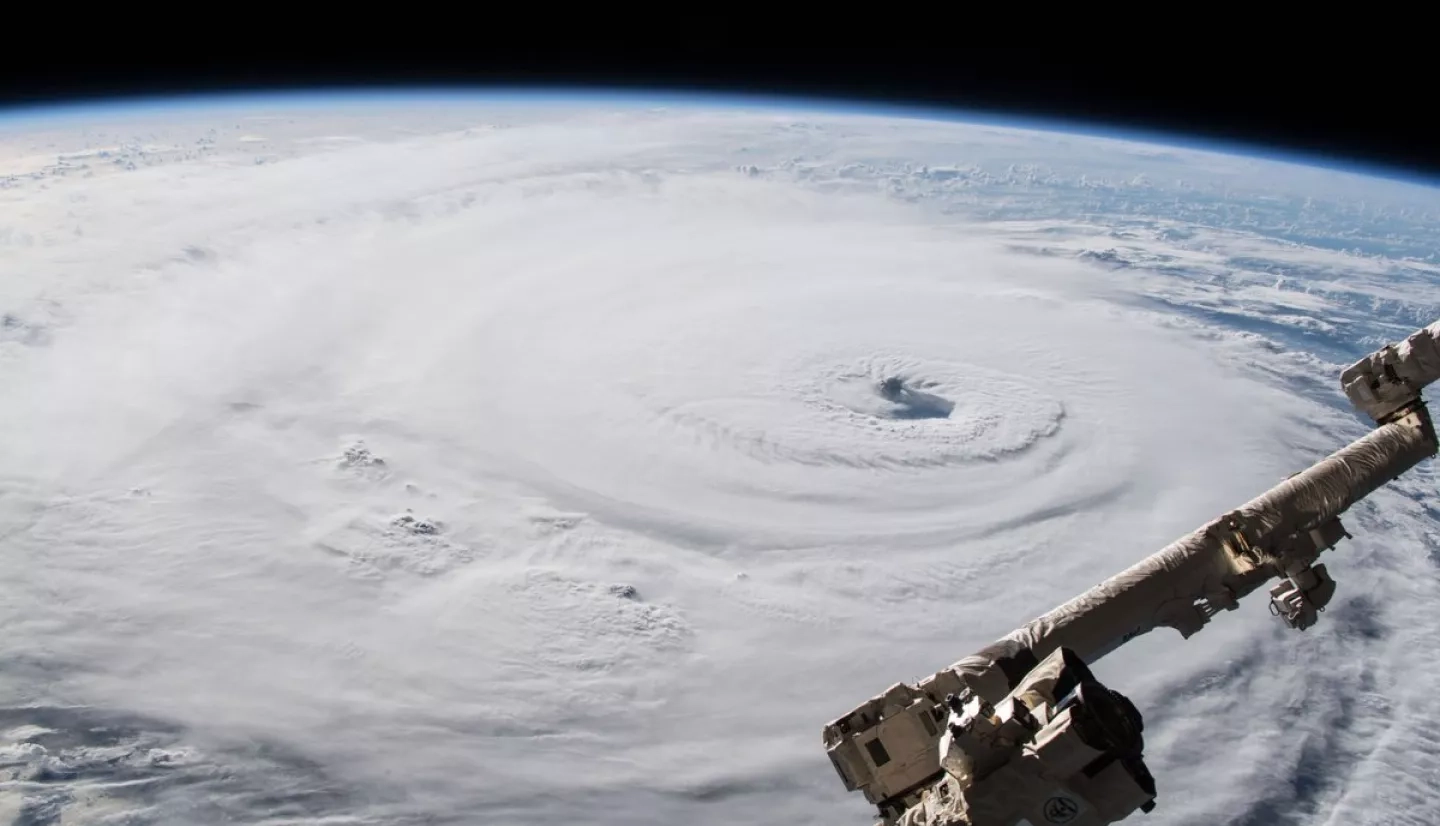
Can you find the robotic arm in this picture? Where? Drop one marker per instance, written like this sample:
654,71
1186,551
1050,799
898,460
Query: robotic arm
1021,733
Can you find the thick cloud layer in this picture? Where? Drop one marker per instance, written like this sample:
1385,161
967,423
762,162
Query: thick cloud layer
544,465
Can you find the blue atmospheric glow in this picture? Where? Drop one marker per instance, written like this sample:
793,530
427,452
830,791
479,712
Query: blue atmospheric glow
87,111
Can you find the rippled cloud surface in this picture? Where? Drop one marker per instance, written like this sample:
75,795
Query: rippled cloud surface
533,464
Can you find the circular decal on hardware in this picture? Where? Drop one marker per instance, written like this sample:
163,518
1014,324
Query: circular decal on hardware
1061,809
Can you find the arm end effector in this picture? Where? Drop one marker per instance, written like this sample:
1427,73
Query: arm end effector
1389,380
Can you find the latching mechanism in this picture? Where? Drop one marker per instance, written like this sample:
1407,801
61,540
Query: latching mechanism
1390,379
1299,598
1303,594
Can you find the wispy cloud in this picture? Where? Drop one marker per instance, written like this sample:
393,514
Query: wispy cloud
521,471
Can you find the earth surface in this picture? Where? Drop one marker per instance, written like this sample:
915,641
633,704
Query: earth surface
442,459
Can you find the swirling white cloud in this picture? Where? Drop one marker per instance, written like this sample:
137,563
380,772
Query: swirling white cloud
535,465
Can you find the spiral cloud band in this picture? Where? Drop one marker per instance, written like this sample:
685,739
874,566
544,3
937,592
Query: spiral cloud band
534,465
717,368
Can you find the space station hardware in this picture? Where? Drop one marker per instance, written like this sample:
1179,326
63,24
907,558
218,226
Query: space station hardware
1022,734
1389,380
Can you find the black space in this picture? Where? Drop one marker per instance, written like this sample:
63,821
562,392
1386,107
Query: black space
1337,112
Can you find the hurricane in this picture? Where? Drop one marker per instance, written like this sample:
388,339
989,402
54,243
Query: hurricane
489,462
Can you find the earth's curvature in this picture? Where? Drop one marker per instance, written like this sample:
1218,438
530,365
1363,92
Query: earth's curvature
496,460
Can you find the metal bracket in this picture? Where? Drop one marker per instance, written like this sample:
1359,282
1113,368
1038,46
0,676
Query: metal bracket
1301,547
1299,599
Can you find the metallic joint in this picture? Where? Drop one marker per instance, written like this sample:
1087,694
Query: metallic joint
1299,599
